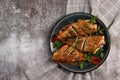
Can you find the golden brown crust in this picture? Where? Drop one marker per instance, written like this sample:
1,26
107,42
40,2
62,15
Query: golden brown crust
80,43
93,42
68,55
92,27
78,29
59,52
81,24
63,35
87,27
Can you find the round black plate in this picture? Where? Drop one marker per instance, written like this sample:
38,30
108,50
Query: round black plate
74,17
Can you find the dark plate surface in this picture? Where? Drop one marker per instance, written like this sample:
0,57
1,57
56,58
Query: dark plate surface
74,17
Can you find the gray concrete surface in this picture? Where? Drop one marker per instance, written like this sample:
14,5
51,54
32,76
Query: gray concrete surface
24,29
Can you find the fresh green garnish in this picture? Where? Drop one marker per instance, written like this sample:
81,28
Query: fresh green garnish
101,30
88,57
57,44
101,50
81,64
100,53
93,19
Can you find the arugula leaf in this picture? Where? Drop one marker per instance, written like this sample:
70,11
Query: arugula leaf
93,19
81,64
100,53
88,57
57,44
101,30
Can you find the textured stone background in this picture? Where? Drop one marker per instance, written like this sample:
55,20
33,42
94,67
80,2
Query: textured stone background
24,29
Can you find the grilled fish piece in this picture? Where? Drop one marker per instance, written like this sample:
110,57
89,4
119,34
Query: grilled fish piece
87,27
68,54
80,28
94,43
87,43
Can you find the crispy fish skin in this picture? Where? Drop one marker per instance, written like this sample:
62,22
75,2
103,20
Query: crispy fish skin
78,29
70,41
80,43
99,43
68,55
63,35
67,32
91,27
65,54
72,58
93,43
87,27
81,57
59,52
81,24
72,31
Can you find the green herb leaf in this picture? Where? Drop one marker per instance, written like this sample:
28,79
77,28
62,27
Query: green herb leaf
101,30
81,64
100,53
88,57
101,50
93,19
57,44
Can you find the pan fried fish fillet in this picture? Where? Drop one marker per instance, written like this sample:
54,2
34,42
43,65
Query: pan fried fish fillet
79,28
93,43
86,44
68,54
